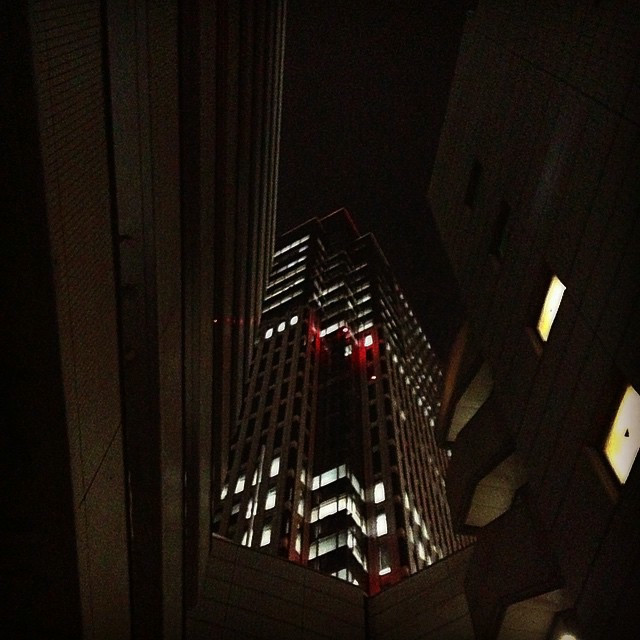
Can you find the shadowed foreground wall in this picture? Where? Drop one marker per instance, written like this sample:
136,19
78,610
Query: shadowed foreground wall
251,595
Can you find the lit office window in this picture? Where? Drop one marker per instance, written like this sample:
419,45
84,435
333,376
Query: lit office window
266,536
239,485
381,524
275,467
224,492
368,341
550,307
245,539
268,333
298,543
294,320
378,492
281,327
623,441
271,499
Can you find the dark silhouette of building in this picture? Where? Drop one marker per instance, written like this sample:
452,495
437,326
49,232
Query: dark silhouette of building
335,463
535,192
139,168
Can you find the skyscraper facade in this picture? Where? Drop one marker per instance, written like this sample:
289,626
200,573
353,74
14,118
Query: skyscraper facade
535,194
334,463
140,174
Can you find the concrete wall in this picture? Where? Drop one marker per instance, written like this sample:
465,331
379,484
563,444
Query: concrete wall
430,605
251,595
546,99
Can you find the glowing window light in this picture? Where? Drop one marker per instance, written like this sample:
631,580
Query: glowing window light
275,467
266,536
378,492
381,524
271,499
240,484
348,350
268,333
294,320
368,341
550,307
623,441
281,327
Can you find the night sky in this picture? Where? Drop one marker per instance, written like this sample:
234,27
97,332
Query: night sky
366,84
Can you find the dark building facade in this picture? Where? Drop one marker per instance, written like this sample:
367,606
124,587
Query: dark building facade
335,464
535,192
140,148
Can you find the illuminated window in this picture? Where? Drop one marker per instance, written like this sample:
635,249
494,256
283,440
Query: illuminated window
381,524
348,350
266,536
239,485
294,320
378,492
368,341
224,492
623,441
269,333
281,327
275,467
550,307
271,499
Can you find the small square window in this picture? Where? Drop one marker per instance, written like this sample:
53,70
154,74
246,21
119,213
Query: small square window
368,341
623,440
550,307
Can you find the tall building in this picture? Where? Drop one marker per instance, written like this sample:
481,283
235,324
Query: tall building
535,191
335,464
139,168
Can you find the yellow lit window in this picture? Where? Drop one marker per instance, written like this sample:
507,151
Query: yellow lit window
623,441
550,307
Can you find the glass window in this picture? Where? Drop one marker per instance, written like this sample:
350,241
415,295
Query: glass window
271,499
268,333
550,307
381,524
240,484
266,536
275,467
368,340
623,440
378,492
294,320
281,327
